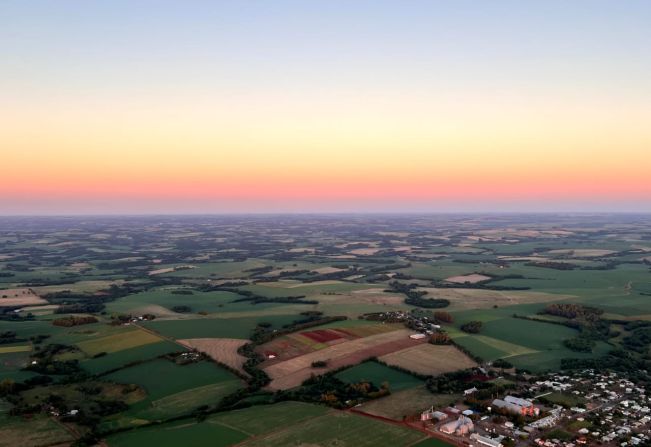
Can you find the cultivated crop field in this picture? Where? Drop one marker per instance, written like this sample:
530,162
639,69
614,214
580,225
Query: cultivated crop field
342,429
290,373
222,350
429,360
300,343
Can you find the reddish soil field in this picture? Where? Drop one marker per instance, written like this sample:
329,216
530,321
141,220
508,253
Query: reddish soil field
323,335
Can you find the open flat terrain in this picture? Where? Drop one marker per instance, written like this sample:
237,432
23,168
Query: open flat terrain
429,360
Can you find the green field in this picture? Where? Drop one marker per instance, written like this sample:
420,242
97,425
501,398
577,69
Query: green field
263,419
172,390
152,300
126,356
377,374
216,327
179,433
161,378
340,429
527,344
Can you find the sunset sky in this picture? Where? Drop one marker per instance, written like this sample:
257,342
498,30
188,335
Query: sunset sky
309,106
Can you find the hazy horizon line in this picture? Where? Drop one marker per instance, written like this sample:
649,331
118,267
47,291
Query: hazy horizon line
335,213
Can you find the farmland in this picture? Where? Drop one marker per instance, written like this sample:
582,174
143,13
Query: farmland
263,330
342,429
290,373
429,360
222,350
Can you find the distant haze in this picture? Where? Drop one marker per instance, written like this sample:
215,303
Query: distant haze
324,106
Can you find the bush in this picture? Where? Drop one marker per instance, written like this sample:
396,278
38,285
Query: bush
472,327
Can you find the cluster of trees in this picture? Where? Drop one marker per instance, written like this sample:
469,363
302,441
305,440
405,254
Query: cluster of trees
9,337
416,297
553,265
443,317
47,364
428,303
80,308
74,320
472,327
572,311
485,284
181,309
501,363
329,390
639,336
182,292
440,338
454,382
579,344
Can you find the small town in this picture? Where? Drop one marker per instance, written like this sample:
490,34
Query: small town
587,407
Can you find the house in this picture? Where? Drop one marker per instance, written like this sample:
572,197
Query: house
470,391
483,440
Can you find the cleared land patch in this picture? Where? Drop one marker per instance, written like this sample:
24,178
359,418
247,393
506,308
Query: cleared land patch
429,359
472,278
36,432
19,297
223,350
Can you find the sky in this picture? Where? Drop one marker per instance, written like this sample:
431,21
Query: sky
245,106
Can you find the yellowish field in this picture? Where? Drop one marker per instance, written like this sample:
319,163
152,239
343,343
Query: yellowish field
161,271
223,350
19,297
484,299
118,342
430,359
9,349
